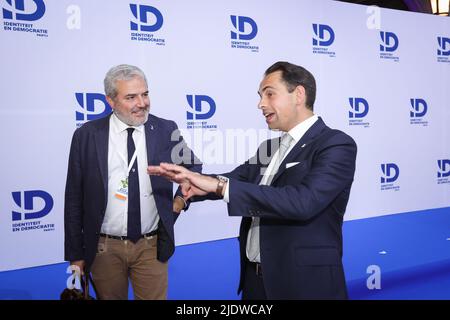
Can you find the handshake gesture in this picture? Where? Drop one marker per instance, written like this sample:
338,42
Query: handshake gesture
192,183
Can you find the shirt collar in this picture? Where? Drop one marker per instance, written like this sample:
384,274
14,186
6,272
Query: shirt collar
299,130
118,126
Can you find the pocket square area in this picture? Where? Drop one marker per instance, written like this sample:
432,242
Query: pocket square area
291,164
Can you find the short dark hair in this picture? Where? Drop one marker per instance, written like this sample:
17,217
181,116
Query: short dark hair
294,76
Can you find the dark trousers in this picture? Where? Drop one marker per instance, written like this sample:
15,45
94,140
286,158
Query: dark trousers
253,288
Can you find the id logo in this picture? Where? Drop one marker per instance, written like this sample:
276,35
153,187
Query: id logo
33,205
17,15
389,44
443,50
390,174
418,110
245,29
322,39
443,173
359,108
94,106
146,21
203,108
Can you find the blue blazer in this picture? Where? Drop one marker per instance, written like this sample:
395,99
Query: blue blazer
301,214
87,185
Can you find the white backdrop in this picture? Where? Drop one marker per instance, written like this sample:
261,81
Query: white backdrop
53,50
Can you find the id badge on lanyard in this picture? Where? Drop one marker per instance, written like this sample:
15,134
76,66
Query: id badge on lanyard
122,190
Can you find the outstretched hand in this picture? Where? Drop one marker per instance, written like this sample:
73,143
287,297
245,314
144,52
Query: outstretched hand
192,183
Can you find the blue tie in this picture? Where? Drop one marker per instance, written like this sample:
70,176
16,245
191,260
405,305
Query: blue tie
134,202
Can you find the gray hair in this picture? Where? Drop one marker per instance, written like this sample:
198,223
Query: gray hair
120,72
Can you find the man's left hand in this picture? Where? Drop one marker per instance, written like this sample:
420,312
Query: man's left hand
178,204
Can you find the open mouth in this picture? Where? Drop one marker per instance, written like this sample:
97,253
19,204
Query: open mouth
139,113
269,116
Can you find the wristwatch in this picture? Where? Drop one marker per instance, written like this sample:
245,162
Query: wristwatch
220,184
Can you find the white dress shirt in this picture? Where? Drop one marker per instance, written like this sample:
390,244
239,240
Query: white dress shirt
296,133
116,215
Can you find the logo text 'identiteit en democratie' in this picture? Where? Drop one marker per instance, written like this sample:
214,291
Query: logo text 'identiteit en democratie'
418,111
443,51
244,31
31,208
390,174
443,174
388,46
359,108
147,20
201,110
322,40
20,15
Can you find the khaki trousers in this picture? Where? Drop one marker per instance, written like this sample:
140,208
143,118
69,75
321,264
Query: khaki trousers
118,261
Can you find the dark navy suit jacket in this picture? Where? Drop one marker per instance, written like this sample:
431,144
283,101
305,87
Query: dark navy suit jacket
301,214
87,185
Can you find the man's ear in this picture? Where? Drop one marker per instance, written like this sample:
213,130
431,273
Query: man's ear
110,101
300,94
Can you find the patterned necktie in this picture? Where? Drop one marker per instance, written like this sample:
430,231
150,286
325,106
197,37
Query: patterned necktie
253,250
134,202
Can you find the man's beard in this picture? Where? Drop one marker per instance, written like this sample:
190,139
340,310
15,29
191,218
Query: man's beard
130,120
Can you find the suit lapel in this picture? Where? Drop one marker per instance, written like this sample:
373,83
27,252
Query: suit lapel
101,143
150,140
309,135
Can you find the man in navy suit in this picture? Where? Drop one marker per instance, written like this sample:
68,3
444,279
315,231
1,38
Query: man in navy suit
292,203
118,220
